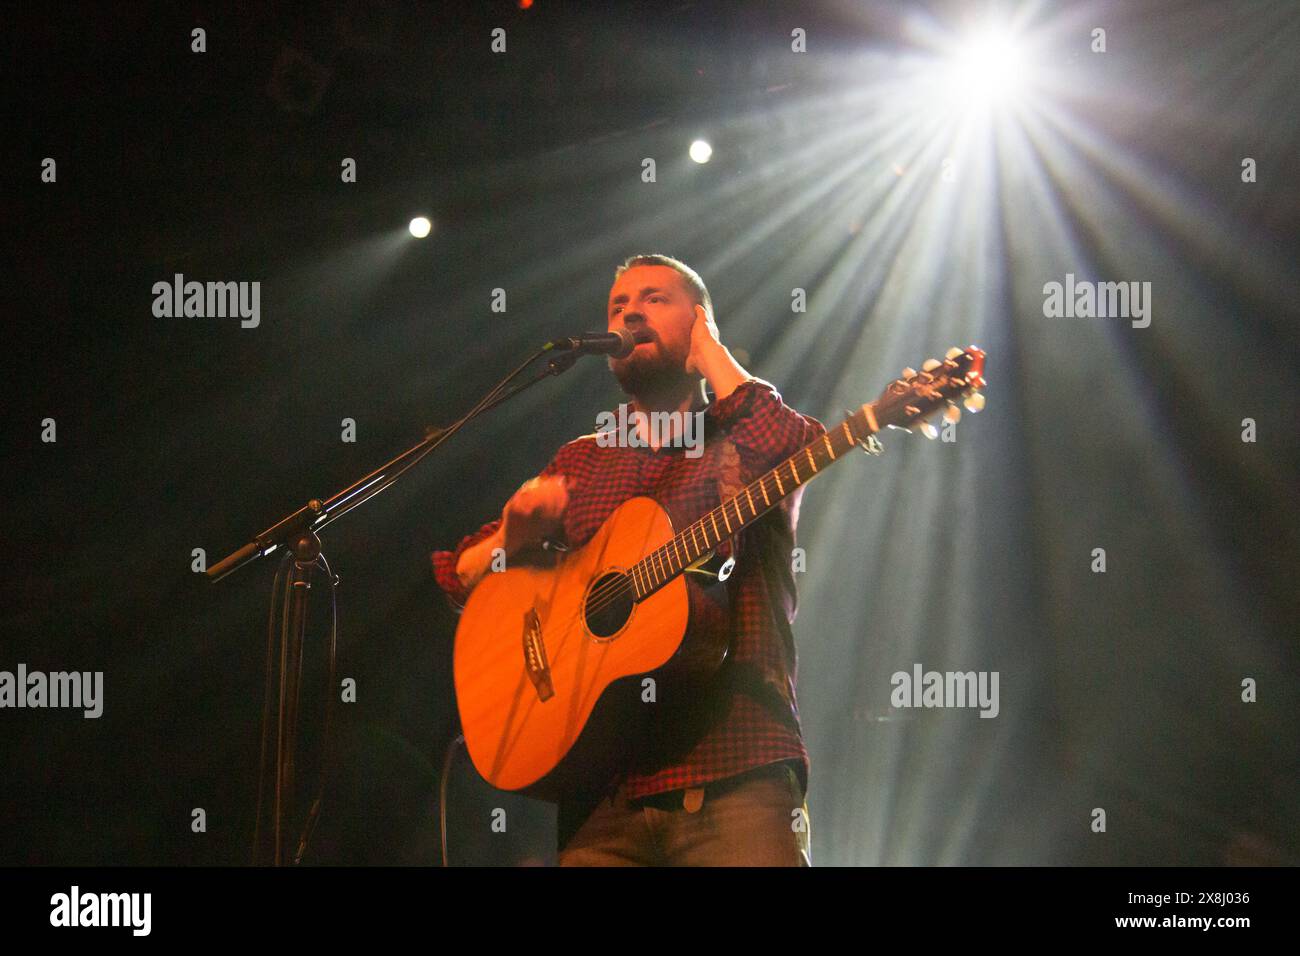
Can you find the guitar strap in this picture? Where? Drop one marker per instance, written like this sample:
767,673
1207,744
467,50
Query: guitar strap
764,676
728,468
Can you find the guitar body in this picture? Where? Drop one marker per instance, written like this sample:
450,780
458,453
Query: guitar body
538,647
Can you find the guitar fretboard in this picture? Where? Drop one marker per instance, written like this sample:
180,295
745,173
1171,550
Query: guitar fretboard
756,499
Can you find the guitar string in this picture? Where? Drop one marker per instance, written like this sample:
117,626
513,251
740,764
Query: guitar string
611,591
666,554
603,596
606,594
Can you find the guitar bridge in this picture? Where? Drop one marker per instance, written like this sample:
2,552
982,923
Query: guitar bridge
536,666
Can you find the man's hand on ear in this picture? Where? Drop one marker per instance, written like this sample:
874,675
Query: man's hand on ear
710,358
704,341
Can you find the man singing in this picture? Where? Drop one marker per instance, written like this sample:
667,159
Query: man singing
718,776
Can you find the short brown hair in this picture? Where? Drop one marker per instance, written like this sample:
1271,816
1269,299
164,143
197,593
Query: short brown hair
699,290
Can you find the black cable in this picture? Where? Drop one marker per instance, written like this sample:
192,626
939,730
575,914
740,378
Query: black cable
327,751
442,792
497,394
266,703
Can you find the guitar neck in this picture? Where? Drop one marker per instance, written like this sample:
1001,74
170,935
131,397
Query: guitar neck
735,514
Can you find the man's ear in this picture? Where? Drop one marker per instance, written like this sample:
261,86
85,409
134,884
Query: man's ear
701,314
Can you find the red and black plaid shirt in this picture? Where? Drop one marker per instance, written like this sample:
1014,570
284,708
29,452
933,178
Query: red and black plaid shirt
749,717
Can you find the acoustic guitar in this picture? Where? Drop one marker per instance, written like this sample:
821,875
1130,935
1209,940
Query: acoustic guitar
538,646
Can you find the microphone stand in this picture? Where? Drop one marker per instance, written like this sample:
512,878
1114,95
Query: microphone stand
296,533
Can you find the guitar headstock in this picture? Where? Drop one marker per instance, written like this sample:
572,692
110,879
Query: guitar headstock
912,398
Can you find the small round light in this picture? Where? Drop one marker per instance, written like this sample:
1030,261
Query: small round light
701,151
420,227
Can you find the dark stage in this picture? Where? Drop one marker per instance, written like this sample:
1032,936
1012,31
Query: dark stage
217,311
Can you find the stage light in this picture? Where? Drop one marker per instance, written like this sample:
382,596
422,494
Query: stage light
987,69
420,227
701,151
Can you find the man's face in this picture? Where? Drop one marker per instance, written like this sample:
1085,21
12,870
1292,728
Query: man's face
658,300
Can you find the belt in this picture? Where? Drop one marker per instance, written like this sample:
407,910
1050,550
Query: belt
692,798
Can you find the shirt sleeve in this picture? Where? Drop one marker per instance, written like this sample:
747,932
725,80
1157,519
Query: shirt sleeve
444,562
763,428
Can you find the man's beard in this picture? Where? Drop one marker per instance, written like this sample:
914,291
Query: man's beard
649,373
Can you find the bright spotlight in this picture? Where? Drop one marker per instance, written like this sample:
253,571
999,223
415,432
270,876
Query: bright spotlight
701,151
988,68
420,227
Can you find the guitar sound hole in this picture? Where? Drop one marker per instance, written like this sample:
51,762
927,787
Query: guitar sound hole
608,604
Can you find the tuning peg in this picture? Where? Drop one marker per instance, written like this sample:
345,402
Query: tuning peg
909,372
952,414
974,401
929,365
952,353
928,430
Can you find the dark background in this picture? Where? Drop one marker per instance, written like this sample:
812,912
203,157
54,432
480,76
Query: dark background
1119,691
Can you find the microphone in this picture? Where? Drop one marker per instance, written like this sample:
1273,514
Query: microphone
614,344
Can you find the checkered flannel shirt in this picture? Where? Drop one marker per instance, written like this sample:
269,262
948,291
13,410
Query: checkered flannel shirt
748,717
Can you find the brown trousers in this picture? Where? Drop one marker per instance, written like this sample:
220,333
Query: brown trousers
757,818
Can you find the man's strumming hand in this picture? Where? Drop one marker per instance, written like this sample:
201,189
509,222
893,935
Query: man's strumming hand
533,513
